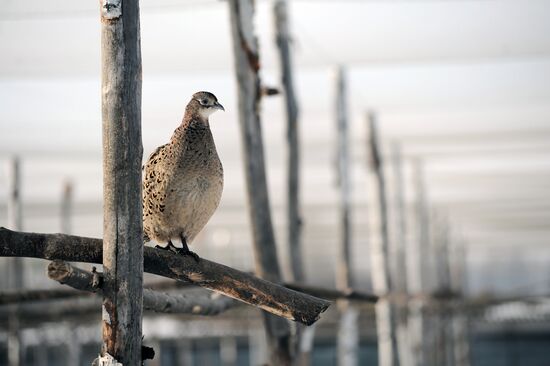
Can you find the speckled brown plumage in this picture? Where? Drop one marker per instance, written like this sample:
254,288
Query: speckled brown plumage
183,179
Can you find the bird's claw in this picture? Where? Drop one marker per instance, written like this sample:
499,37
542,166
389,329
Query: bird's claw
182,251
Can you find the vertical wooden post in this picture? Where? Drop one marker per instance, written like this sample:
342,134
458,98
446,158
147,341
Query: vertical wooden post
344,273
348,334
122,155
15,265
294,220
293,155
66,207
399,259
247,65
418,251
15,212
386,319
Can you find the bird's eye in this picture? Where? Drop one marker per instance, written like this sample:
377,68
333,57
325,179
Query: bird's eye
203,102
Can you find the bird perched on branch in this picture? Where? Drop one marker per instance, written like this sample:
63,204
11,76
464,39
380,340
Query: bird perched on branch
183,180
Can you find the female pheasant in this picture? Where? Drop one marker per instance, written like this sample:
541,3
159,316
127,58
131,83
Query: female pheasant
183,179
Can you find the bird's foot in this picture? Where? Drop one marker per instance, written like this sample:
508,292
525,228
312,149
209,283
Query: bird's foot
184,251
169,247
180,251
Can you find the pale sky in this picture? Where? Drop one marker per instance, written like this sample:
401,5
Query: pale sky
463,84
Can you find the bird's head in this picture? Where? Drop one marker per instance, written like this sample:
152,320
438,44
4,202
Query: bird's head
204,104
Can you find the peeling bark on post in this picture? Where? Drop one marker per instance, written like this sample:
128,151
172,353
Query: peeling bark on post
348,334
247,65
386,317
122,157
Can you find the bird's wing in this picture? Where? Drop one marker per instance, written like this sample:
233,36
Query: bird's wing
151,177
153,155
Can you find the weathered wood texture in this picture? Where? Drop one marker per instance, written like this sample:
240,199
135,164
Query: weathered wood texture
239,285
282,35
247,65
122,158
348,334
80,279
386,316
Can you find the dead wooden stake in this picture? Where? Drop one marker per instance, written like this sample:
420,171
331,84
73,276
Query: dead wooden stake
122,156
348,333
294,220
293,149
386,317
399,255
247,65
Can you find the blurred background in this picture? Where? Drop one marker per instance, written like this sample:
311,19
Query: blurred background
462,87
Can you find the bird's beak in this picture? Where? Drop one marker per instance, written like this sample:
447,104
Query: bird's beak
219,106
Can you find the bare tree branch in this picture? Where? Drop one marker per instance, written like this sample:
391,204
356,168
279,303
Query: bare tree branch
80,279
332,294
239,285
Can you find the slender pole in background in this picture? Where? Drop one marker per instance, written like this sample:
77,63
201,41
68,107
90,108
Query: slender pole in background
419,254
15,265
348,332
399,255
293,155
386,317
304,335
247,66
67,207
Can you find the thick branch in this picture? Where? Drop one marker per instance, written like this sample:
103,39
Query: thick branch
242,286
80,279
